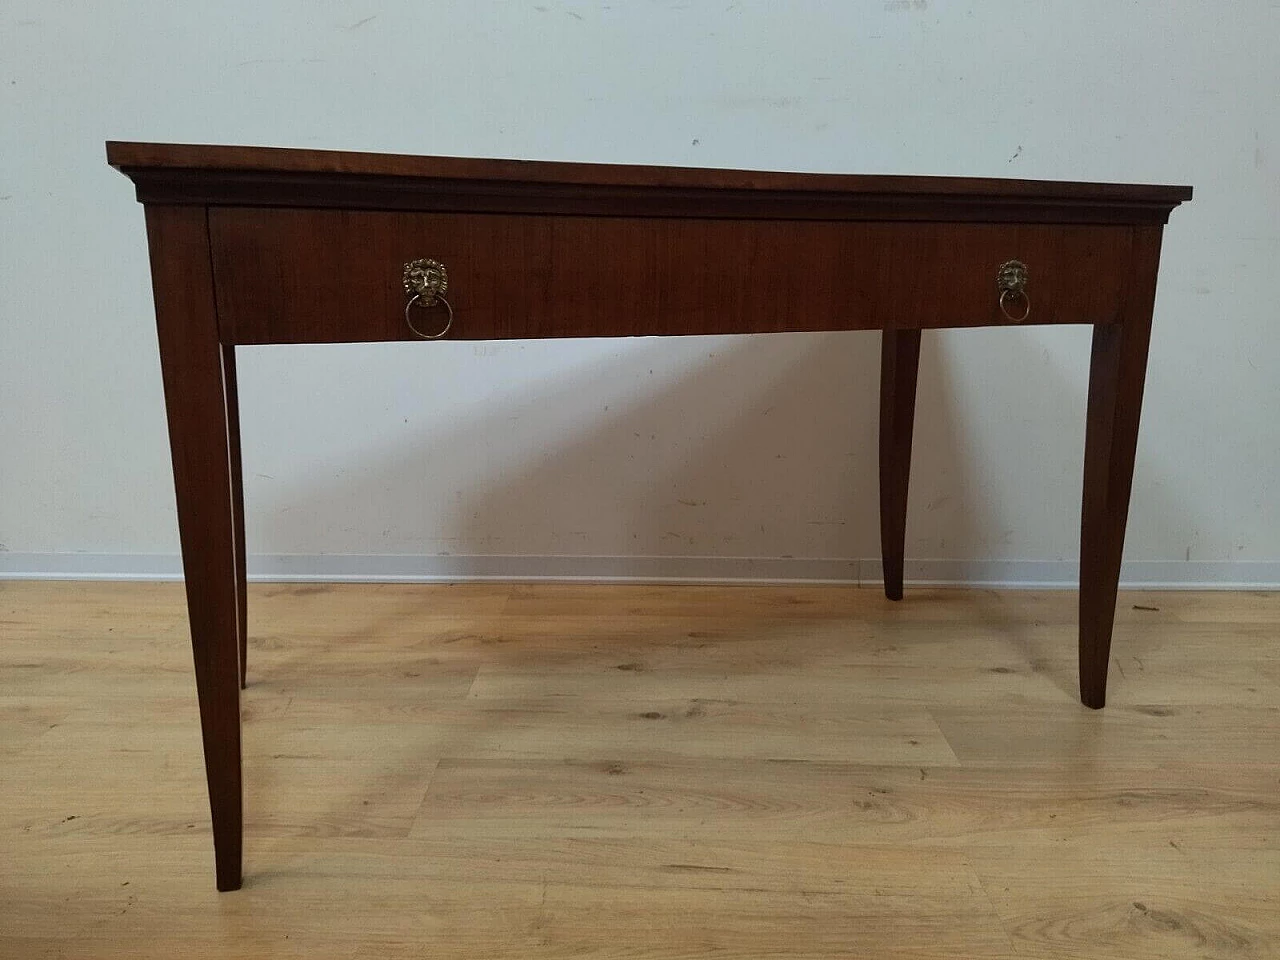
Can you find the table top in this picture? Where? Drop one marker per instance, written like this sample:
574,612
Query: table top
192,173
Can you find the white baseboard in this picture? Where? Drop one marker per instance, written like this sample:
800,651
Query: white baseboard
1172,575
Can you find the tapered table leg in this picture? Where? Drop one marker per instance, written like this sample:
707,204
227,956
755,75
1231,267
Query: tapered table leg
237,504
1116,376
199,437
899,363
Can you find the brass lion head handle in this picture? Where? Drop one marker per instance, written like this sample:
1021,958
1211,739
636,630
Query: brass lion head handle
425,282
1012,284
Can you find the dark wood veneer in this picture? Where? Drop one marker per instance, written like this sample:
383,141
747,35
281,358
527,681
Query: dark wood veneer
200,441
293,276
261,176
254,245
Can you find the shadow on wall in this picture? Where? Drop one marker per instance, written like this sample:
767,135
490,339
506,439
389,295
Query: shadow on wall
764,448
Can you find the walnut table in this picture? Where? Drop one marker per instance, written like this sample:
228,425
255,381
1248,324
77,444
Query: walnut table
251,245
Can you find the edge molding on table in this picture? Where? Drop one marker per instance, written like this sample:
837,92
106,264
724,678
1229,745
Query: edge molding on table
263,245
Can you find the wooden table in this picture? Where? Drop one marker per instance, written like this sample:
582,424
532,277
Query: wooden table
251,245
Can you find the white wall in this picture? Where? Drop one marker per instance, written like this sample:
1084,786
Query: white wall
721,447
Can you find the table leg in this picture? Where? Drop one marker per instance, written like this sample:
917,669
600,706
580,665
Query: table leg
199,438
1117,373
237,504
899,363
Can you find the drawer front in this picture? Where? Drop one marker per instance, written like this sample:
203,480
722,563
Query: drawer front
315,276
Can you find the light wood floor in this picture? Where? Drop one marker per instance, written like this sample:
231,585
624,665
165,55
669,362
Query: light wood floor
508,771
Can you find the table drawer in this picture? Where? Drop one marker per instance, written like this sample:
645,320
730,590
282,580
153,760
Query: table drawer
304,275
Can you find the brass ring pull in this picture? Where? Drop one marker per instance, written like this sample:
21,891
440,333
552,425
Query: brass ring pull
425,281
1012,283
418,333
1007,295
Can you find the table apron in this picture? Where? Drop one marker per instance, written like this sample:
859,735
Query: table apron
287,275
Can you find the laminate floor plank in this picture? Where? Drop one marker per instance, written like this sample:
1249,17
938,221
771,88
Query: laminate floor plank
616,771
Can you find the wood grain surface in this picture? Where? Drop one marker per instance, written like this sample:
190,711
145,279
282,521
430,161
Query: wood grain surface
320,276
521,771
197,400
265,176
128,155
